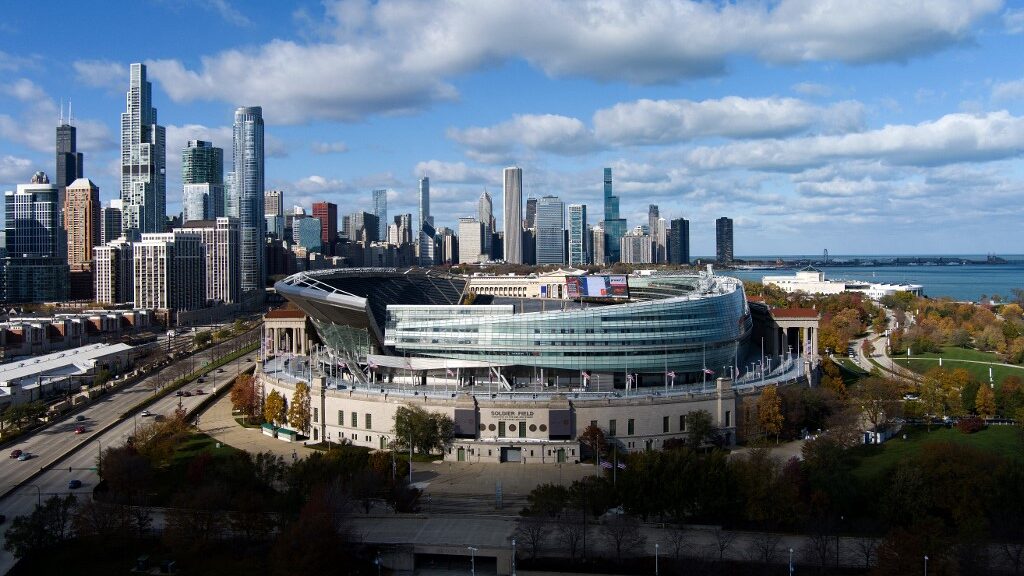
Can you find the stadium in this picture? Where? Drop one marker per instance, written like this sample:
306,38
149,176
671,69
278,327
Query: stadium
522,364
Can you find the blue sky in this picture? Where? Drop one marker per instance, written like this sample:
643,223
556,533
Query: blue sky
860,127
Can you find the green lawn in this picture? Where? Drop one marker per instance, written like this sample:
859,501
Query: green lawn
850,371
875,460
952,358
197,443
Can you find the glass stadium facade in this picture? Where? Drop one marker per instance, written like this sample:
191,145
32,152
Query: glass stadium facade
671,323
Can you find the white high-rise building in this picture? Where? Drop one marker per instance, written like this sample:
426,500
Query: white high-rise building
115,279
470,240
635,247
143,160
220,244
247,190
512,218
550,224
659,251
169,272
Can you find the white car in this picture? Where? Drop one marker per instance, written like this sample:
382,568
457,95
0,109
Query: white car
146,413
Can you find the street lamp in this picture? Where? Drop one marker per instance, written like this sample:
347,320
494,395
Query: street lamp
513,557
472,560
926,565
656,546
790,562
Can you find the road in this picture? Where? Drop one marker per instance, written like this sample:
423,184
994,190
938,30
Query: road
50,443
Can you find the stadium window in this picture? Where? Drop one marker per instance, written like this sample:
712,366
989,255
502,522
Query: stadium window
341,418
629,427
611,428
369,421
664,424
728,418
316,414
682,422
355,420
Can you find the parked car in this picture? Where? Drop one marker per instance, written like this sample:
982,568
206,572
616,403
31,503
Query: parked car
15,453
24,456
199,392
74,484
179,393
187,393
80,430
146,413
79,418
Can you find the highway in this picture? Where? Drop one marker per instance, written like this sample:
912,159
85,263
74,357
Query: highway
51,442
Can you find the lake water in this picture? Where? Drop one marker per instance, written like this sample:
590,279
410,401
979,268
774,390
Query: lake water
967,282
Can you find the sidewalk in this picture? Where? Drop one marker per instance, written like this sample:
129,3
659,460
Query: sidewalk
218,422
785,450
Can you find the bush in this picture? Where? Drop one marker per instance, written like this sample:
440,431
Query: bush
970,424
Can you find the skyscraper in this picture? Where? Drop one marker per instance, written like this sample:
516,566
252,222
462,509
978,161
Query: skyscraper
36,267
657,227
723,240
327,213
110,221
70,163
115,277
485,212
679,241
380,210
512,218
273,203
170,271
202,163
635,247
470,240
550,221
578,253
143,158
248,190
81,223
597,240
531,213
614,227
309,234
219,238
425,226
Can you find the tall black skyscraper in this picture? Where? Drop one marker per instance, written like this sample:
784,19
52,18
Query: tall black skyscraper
679,241
69,159
723,240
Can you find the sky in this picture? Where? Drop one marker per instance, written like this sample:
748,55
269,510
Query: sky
861,127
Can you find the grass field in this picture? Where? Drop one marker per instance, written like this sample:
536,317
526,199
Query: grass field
850,371
875,460
197,443
926,362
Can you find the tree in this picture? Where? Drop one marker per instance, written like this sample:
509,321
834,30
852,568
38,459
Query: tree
426,431
593,438
622,532
273,408
769,412
570,529
701,427
985,402
547,500
245,397
832,378
532,532
1010,395
47,526
880,399
299,413
202,338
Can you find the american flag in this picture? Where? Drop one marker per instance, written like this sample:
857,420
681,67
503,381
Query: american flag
449,372
606,464
585,375
709,371
621,465
629,378
371,364
671,374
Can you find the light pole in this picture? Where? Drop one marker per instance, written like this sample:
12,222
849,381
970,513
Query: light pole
656,546
472,560
513,557
926,565
790,562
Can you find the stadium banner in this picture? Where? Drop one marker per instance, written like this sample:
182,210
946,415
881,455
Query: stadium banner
616,287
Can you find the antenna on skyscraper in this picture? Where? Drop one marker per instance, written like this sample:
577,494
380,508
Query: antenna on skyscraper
71,117
60,121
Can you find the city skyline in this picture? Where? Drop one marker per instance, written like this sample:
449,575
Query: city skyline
877,137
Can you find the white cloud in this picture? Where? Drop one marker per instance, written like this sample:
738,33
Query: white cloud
102,74
329,147
543,132
812,89
228,12
668,121
1014,20
397,57
40,110
14,170
1012,90
949,139
454,172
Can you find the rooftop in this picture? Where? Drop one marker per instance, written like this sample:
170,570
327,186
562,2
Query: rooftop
29,367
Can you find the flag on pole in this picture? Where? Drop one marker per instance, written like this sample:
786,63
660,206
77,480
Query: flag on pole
629,379
606,464
621,465
449,372
671,374
709,371
585,375
371,364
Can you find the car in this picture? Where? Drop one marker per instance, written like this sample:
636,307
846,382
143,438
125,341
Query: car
79,418
24,456
199,392
187,394
221,369
201,380
179,393
146,413
74,484
15,453
80,430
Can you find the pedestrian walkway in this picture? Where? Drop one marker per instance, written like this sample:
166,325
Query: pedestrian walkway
218,422
785,450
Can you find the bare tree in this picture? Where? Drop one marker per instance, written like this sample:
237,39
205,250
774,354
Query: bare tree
764,547
677,539
570,530
622,532
1013,556
532,532
721,541
865,547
